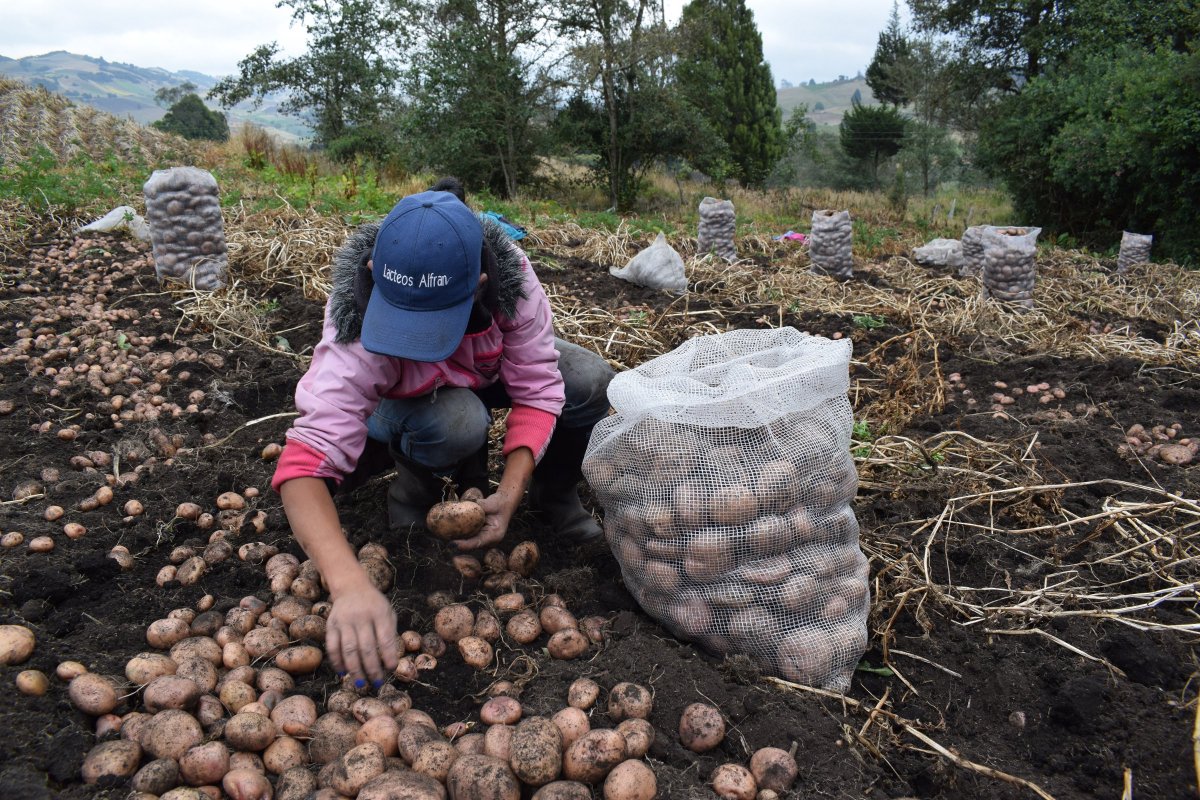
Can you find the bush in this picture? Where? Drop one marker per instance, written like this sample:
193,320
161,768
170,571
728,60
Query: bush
1109,142
191,119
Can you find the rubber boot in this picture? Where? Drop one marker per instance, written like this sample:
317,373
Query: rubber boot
472,472
554,490
411,494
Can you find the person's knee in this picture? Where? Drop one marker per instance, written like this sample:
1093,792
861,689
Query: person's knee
452,429
585,378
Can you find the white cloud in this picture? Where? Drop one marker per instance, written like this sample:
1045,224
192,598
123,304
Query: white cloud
801,40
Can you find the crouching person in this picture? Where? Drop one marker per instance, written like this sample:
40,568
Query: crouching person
435,319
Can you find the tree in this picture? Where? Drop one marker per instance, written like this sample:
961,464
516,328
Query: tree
721,73
475,97
345,82
191,119
1109,141
891,48
167,96
870,134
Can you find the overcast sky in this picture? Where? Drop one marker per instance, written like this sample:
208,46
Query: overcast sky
802,39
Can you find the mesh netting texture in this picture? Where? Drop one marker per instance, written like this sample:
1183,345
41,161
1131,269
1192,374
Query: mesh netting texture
187,234
1010,264
716,228
972,250
831,244
1135,249
726,479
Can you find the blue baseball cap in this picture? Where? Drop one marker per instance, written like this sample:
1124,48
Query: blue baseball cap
426,264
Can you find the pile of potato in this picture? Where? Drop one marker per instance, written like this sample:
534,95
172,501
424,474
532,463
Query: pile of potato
1010,264
972,251
183,207
716,228
738,545
1160,442
830,246
1135,249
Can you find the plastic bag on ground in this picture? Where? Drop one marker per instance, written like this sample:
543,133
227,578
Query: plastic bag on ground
726,480
658,267
121,218
940,253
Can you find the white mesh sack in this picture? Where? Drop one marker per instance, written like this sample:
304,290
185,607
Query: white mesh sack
726,480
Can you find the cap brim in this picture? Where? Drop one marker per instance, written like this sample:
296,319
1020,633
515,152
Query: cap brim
416,335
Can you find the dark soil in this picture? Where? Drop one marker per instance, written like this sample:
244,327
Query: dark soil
1020,704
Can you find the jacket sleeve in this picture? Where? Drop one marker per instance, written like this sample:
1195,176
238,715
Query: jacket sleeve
335,398
529,370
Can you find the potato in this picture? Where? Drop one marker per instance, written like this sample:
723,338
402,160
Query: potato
567,644
296,783
455,519
295,715
583,693
289,609
487,627
383,730
500,710
434,645
204,764
629,700
353,770
132,725
209,710
364,708
494,560
524,558
555,619
244,760
639,736
777,486
497,741
467,566
471,743
235,695
395,784
264,642
206,623
482,777
230,501
32,682
198,670
285,753
188,793
170,734
332,735
413,737
510,603
630,780
435,760
454,622
523,627
191,571
16,644
415,716
572,723
701,728
157,777
310,626
69,670
501,581
197,647
274,678
234,655
592,755
475,652
406,670
563,790
107,724
249,731
118,759
379,572
535,752
774,769
163,633
246,784
734,782
299,660
93,694
171,691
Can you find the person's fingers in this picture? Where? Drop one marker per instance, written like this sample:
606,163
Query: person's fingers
385,634
351,654
368,652
333,646
472,494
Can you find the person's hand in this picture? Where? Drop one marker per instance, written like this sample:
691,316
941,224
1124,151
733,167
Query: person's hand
360,636
499,509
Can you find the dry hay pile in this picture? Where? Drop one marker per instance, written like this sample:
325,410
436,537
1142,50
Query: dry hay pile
32,116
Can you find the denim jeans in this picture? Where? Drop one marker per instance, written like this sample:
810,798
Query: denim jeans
442,429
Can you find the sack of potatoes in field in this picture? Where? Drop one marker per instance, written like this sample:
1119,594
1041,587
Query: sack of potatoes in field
1010,264
726,480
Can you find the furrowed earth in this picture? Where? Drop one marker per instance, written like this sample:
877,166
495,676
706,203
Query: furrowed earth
1033,598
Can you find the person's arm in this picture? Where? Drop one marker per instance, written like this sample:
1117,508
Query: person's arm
501,505
360,635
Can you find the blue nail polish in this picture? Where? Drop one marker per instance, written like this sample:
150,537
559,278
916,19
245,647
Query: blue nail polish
359,683
377,684
342,674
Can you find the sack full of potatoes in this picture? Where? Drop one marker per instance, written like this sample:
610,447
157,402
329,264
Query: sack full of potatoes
726,479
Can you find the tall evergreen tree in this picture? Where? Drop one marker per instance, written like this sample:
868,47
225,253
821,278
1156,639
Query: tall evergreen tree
871,134
721,72
891,49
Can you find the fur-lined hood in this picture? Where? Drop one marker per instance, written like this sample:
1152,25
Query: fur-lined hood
352,282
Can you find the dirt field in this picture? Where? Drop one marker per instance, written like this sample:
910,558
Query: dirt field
1033,622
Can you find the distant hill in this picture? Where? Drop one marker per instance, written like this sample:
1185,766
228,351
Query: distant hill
833,96
128,90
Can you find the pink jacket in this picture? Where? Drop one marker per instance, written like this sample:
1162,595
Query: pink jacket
345,383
